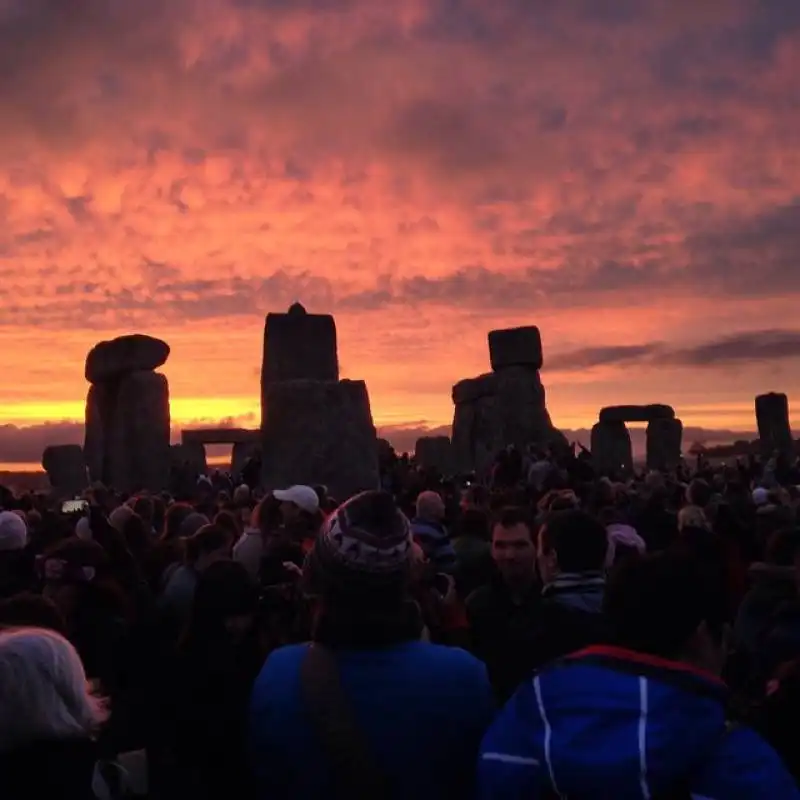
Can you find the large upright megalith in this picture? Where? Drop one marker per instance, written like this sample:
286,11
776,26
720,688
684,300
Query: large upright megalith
774,431
612,452
504,407
127,434
664,441
299,346
315,429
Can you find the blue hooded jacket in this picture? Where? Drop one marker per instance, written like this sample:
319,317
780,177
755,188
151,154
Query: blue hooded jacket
608,722
422,707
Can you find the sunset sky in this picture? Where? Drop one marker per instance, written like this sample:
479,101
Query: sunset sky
623,173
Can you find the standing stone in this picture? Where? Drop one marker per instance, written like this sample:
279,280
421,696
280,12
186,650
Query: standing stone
65,468
127,432
522,416
299,346
241,452
319,432
774,431
435,452
664,441
515,347
612,452
94,441
191,455
463,437
108,361
505,407
138,435
386,454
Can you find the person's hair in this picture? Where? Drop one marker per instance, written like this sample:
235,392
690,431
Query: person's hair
208,539
174,519
267,515
654,604
43,690
137,538
119,516
699,493
474,522
579,540
510,516
241,496
145,508
27,609
783,547
224,590
227,520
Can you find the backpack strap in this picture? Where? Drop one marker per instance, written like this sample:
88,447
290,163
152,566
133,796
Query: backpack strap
355,773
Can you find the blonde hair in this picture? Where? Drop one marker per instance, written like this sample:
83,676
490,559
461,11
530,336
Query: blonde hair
43,690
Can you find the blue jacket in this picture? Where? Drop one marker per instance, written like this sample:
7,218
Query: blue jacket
423,709
434,539
607,722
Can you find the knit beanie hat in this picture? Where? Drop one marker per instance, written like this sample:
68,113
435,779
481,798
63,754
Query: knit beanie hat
363,547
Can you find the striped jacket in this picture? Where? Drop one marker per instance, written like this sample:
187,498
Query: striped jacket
610,723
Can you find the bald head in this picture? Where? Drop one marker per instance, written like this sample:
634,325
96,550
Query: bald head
430,506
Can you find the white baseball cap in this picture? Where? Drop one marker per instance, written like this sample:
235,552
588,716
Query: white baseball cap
304,497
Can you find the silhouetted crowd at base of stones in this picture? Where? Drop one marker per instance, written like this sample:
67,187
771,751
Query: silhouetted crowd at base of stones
543,634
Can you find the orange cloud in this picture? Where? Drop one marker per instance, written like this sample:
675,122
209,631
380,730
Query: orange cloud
618,174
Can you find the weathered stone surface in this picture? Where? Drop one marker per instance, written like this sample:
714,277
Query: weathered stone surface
471,389
515,413
646,413
515,347
65,468
462,437
241,453
190,455
319,432
612,453
774,431
98,412
664,441
521,407
110,360
386,454
299,346
435,452
137,438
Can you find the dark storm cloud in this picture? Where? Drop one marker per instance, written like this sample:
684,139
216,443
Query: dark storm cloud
741,348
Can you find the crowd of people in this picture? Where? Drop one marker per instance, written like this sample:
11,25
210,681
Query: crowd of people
543,633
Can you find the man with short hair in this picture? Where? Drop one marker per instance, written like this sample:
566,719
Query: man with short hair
503,614
644,717
571,555
430,533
